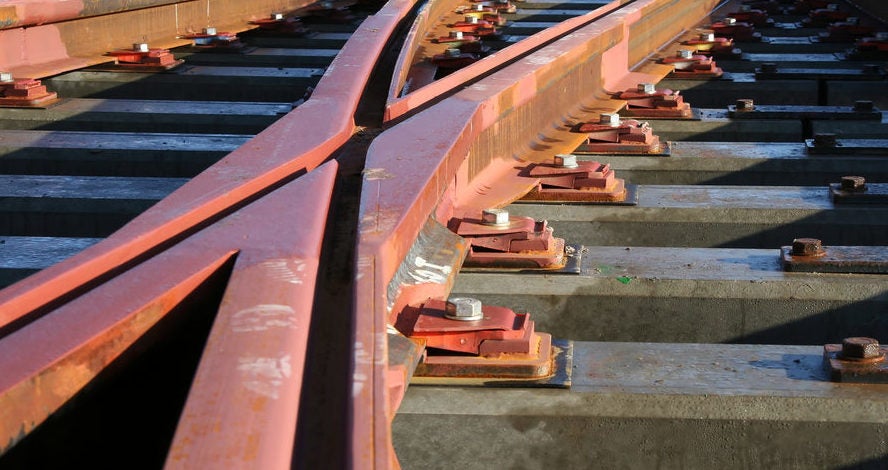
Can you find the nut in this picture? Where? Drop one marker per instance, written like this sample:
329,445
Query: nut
745,104
609,119
566,161
140,47
860,347
853,183
277,16
463,309
453,52
807,247
708,37
730,20
495,217
456,35
685,54
5,77
471,19
209,31
647,88
825,140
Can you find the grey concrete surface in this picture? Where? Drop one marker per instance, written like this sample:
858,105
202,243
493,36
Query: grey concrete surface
654,406
690,295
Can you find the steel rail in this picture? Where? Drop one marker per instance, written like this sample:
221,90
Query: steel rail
232,210
400,104
43,38
462,153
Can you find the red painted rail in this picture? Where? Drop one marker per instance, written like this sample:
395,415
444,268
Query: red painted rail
243,198
437,164
463,153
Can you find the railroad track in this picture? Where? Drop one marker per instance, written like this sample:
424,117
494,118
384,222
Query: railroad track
208,279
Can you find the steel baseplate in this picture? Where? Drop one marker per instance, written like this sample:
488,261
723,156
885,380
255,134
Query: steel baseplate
558,373
838,259
853,147
873,371
873,194
631,199
573,254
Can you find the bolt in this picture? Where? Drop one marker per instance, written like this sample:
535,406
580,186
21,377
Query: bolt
566,161
853,183
863,106
807,247
825,140
209,31
769,67
731,21
463,309
860,348
479,7
277,16
646,88
745,8
453,52
708,37
456,35
685,54
745,104
471,19
853,20
833,7
882,35
609,119
6,77
140,47
495,217
872,68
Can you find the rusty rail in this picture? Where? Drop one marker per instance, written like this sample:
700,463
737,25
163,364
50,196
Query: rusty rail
457,149
240,200
39,39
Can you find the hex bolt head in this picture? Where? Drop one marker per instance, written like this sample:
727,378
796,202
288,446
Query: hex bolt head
708,37
479,7
745,104
745,8
769,67
684,54
452,52
495,217
730,21
6,77
140,47
277,16
882,35
609,119
456,35
872,68
833,7
471,19
863,106
463,309
564,160
825,139
853,20
853,183
646,88
860,347
209,31
807,247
